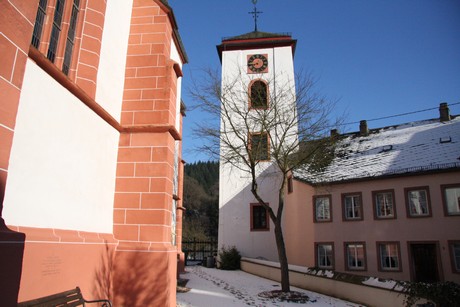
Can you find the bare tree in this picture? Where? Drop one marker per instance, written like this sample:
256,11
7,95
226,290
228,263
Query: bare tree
280,122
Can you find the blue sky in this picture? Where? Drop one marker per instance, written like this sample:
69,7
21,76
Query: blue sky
378,57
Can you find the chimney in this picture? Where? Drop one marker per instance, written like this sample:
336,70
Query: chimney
334,132
444,115
363,130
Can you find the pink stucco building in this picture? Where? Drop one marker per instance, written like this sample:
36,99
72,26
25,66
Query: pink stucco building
388,205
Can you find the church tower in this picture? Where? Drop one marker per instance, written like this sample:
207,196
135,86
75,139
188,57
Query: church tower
257,81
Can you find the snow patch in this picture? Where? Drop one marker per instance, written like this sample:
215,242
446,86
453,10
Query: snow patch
213,287
385,284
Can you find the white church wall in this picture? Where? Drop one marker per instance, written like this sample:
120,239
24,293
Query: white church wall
63,160
114,48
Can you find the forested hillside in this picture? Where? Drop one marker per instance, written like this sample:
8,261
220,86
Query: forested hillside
201,200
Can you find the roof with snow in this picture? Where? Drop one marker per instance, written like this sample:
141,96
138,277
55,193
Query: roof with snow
405,149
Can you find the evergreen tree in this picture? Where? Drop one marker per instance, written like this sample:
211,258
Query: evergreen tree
201,200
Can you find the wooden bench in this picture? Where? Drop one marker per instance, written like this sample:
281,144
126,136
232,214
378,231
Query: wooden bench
67,298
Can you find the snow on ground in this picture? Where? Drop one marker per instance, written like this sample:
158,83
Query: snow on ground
212,287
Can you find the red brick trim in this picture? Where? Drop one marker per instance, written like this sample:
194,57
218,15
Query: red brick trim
177,70
64,236
65,81
152,128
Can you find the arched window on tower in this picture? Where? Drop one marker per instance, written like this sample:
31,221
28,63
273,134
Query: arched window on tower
258,95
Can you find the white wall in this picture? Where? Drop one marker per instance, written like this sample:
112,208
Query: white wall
63,161
235,198
235,195
112,63
176,58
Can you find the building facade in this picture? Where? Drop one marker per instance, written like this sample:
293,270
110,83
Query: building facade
90,158
256,68
387,206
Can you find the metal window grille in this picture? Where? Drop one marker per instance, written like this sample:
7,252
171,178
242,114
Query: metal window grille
198,250
70,37
39,21
56,30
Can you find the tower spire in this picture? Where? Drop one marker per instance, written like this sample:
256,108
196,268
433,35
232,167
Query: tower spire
255,14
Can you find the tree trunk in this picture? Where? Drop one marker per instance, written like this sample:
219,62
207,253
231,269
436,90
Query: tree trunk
282,255
285,284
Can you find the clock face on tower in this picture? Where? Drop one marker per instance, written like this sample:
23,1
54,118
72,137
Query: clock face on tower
257,63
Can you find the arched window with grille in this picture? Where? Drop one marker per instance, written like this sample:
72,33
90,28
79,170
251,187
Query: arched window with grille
258,94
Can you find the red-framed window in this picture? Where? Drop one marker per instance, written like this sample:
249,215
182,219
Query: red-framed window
260,220
259,146
258,94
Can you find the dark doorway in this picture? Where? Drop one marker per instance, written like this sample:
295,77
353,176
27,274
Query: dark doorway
424,262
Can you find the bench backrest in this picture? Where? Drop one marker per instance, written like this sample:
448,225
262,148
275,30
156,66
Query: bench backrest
67,298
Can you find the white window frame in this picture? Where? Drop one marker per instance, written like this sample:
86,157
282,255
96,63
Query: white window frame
353,206
451,199
389,250
352,250
387,209
454,247
323,255
418,205
322,208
